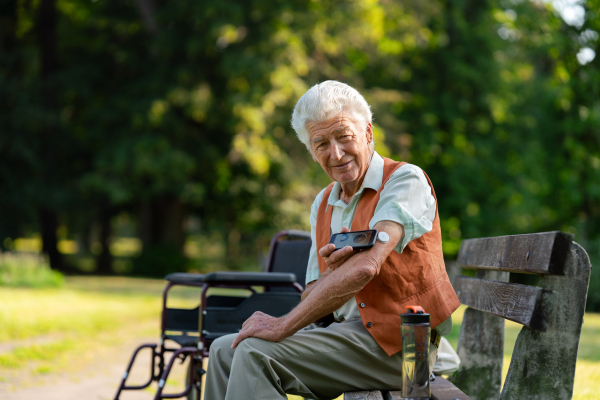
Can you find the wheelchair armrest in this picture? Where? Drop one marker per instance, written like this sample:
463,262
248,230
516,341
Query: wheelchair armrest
251,278
185,277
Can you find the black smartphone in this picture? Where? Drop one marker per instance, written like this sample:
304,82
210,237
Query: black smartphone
359,240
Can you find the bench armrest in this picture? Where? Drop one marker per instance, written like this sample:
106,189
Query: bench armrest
234,278
251,278
185,277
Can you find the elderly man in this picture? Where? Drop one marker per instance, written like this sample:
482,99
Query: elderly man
366,291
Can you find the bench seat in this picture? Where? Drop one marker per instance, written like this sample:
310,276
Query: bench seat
441,389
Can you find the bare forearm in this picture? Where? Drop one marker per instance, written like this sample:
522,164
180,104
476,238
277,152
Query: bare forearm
333,290
325,297
309,288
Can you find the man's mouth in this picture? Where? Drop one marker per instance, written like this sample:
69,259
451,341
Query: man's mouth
342,166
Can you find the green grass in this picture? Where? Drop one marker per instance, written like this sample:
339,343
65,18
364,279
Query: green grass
53,329
27,270
30,313
22,355
58,330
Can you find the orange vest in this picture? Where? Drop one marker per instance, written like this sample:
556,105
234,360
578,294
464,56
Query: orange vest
415,276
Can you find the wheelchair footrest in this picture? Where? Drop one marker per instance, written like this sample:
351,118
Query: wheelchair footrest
123,386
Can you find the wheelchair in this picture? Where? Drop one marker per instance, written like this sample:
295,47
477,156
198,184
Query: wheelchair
188,333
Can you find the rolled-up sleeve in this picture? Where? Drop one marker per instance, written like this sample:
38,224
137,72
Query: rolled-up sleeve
312,269
407,199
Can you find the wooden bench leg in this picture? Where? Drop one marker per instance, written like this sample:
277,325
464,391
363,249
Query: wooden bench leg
481,349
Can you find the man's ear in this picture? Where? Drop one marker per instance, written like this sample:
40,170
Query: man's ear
369,132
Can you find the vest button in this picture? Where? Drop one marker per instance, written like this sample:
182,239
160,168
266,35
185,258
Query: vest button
369,324
362,305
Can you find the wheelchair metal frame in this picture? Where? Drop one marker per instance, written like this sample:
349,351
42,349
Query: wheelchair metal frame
158,370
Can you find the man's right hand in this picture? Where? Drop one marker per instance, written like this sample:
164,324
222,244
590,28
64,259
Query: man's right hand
332,258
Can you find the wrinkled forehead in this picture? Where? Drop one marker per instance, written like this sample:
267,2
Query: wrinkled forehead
337,123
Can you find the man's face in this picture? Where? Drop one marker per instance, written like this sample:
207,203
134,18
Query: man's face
341,145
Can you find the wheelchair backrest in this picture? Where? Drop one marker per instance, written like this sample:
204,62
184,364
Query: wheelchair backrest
289,253
183,320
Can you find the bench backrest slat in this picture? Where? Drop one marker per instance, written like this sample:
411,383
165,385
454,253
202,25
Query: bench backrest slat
527,305
539,253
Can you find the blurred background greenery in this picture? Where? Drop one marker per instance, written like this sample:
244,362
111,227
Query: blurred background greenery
142,137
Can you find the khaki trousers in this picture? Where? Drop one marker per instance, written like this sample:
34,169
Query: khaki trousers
320,363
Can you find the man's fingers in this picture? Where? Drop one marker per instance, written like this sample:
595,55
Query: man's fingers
342,260
240,336
327,250
243,334
341,253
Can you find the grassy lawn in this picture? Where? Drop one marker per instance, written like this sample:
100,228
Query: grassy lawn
62,331
59,331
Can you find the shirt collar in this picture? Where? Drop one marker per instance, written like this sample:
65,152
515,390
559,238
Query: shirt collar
373,179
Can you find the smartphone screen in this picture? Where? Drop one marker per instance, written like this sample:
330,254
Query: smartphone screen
359,240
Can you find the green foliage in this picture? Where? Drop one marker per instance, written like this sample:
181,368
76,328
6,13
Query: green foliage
27,270
159,261
185,111
593,299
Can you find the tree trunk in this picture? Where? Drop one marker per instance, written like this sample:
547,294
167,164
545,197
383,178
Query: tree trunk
46,35
8,37
162,222
49,225
147,12
105,259
46,32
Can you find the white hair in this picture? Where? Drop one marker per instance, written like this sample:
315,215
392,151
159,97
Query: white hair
326,100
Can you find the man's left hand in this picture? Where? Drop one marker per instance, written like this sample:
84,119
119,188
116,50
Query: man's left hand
263,326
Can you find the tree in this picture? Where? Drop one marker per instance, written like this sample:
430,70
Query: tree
168,109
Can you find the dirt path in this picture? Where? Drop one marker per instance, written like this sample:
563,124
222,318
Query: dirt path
101,386
96,378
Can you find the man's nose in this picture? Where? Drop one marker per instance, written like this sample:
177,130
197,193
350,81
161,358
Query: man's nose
336,151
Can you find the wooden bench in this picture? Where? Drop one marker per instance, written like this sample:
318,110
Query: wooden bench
545,353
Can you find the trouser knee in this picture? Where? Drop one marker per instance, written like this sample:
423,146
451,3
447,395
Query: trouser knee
255,347
221,348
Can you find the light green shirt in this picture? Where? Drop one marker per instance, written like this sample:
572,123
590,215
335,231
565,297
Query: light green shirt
405,199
